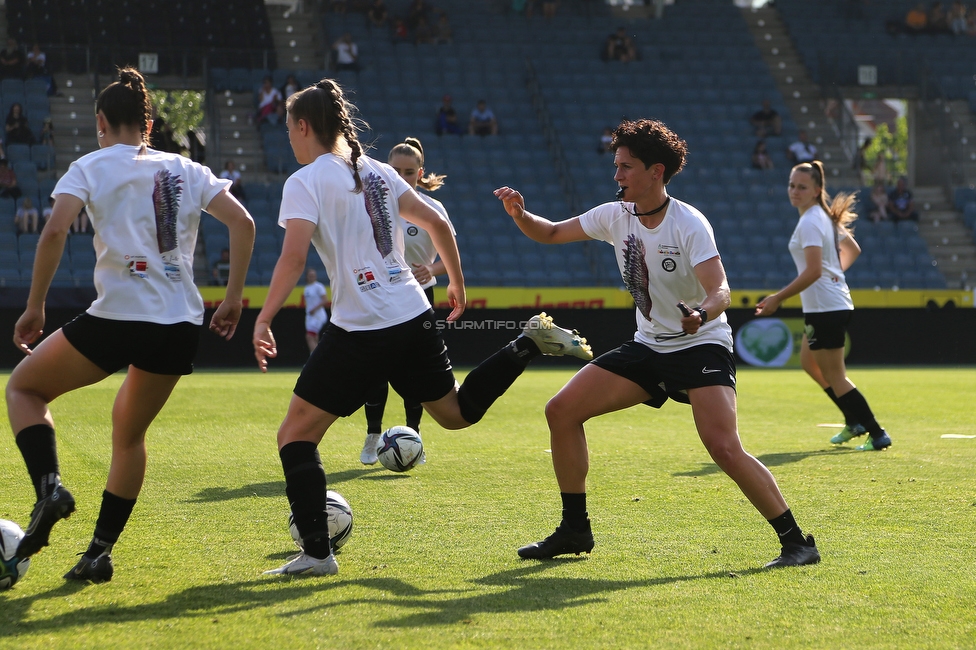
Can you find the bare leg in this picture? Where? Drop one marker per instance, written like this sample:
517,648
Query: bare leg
715,416
304,423
139,400
831,363
809,364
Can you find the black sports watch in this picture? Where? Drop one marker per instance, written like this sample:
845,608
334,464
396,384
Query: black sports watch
702,313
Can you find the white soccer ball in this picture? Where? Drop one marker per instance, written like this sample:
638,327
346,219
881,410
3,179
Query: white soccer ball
11,570
400,449
340,521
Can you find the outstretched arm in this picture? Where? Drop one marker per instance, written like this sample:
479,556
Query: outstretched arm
539,228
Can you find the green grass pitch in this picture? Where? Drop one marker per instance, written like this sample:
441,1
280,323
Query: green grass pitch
432,564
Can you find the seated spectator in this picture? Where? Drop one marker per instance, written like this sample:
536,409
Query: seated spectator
760,156
8,181
233,174
549,8
47,132
606,141
12,61
80,224
424,34
346,53
271,106
901,204
802,150
418,9
620,47
36,62
916,20
447,119
400,33
26,217
483,120
766,120
46,213
443,31
290,87
221,269
18,130
957,17
377,13
938,20
879,202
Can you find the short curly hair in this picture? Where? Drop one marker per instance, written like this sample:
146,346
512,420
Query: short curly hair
652,142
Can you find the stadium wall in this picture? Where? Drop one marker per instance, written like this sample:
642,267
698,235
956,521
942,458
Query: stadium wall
880,336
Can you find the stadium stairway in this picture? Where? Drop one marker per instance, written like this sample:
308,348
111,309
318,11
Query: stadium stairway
74,120
800,93
295,37
948,238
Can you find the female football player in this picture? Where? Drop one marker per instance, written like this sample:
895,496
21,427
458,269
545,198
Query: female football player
823,247
145,206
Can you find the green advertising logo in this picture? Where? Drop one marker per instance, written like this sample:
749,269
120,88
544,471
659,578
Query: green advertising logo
767,343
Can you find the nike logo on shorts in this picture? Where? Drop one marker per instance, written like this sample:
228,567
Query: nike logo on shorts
706,371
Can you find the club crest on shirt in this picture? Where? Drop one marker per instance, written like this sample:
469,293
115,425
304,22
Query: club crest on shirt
137,265
668,265
366,279
412,230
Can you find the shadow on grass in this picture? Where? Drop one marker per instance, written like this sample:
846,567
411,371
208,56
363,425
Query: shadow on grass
771,460
527,592
277,488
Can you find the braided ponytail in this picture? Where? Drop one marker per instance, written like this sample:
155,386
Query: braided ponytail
126,102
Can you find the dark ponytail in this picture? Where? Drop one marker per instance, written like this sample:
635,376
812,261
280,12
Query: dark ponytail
126,102
325,109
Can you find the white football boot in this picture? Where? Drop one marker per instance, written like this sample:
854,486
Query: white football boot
555,341
368,454
303,564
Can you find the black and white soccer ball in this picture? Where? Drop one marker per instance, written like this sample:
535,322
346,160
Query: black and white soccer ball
11,569
340,521
400,449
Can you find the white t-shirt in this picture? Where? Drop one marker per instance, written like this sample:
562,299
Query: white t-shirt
268,97
346,53
804,152
359,238
145,210
314,294
830,291
658,268
418,248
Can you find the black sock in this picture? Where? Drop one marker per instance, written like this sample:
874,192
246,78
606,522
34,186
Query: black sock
525,348
40,452
854,403
785,526
374,407
305,486
491,379
574,509
414,412
112,518
833,398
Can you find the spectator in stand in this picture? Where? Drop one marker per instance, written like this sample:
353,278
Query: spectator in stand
290,87
12,61
36,62
901,203
957,17
447,118
271,106
606,141
938,20
620,47
46,213
549,8
418,9
377,13
424,34
760,156
80,224
880,171
443,31
221,269
18,130
879,202
8,181
860,162
802,150
916,20
47,132
315,297
26,217
766,120
346,53
483,120
400,33
233,174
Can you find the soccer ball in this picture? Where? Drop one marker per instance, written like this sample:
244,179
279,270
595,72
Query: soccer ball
400,449
340,521
11,570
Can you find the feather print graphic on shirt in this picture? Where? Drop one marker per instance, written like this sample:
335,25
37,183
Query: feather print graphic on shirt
374,193
166,203
636,275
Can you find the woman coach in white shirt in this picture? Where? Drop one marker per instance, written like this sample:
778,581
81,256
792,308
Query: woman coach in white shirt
822,248
145,207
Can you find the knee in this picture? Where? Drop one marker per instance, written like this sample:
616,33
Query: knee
560,412
724,452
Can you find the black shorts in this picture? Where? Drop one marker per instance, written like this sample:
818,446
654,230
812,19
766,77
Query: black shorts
826,330
116,344
670,374
344,366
